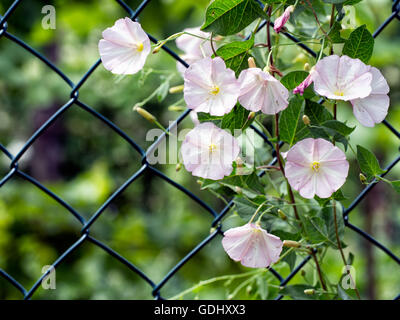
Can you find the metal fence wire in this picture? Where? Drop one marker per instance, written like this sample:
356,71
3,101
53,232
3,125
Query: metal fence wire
146,167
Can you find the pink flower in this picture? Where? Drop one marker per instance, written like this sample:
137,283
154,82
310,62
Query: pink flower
252,246
373,108
125,47
305,84
193,47
261,91
342,78
280,21
316,167
209,151
210,87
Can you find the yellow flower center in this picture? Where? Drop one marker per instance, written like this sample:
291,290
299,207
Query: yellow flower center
214,90
315,166
212,147
339,93
139,47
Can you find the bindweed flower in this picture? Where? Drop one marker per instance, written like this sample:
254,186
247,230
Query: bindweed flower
316,167
210,87
373,108
209,151
347,79
261,91
342,78
125,47
195,48
252,246
280,21
305,84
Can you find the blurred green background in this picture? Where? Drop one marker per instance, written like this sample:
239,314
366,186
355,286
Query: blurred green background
152,224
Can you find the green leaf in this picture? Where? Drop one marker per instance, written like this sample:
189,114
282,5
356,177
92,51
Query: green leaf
320,227
359,45
226,17
293,79
290,121
290,259
296,292
342,293
246,208
317,113
236,119
334,33
338,127
334,1
162,90
236,54
396,185
206,117
351,2
369,165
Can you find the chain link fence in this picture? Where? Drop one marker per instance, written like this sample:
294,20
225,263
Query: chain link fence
216,217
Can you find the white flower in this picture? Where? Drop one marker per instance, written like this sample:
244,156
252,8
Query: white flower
209,86
209,151
125,47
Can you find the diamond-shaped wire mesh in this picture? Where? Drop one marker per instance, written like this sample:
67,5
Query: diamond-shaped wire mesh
146,167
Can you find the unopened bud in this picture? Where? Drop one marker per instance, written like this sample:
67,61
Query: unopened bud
363,179
176,89
178,166
212,230
307,67
251,62
238,190
145,114
303,272
306,120
249,288
158,48
266,69
291,244
309,292
176,108
282,215
251,115
239,162
200,182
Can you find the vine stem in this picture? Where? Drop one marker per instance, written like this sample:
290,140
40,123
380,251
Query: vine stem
339,244
318,270
278,156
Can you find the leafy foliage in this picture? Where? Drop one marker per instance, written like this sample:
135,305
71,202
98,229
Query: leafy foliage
226,17
359,45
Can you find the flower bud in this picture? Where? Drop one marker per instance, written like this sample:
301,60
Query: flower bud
251,62
238,190
303,272
363,179
176,89
307,67
251,115
282,215
291,244
158,48
145,114
309,292
306,120
176,108
178,166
